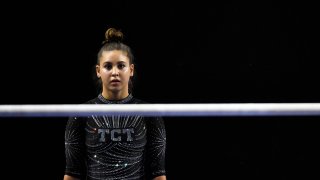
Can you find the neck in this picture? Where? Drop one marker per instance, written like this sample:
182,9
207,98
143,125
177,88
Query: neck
115,95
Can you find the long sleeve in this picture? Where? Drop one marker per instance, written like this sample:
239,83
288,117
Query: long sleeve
75,147
156,147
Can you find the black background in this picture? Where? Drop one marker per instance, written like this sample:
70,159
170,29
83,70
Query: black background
186,52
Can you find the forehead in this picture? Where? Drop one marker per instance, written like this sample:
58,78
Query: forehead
114,56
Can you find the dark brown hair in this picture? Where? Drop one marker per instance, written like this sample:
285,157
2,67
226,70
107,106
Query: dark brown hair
114,41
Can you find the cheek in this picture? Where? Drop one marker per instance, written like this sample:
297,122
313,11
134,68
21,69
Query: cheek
128,73
125,72
104,72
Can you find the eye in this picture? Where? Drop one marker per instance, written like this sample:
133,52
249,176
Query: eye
121,66
108,66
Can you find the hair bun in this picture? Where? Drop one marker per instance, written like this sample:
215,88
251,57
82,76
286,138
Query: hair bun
113,35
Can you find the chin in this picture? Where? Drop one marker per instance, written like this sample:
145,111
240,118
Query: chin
115,90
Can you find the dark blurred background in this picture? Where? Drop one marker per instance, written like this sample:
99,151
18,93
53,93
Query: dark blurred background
186,52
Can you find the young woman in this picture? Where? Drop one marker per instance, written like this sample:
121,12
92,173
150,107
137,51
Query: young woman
115,147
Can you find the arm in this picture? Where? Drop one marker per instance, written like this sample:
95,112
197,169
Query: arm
75,149
156,148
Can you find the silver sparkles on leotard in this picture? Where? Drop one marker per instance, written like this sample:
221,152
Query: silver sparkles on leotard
115,147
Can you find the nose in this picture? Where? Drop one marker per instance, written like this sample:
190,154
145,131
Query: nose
115,71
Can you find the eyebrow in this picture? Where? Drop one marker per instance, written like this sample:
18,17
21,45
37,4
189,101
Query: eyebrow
106,62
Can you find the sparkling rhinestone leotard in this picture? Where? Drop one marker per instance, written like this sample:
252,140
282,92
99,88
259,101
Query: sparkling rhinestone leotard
115,147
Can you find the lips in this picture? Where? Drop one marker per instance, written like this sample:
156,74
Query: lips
115,81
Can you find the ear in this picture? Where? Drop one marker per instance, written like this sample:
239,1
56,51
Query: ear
98,71
131,69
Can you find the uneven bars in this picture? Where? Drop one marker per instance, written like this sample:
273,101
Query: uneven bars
223,109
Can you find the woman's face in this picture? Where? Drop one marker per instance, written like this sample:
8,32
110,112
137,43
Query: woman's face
115,71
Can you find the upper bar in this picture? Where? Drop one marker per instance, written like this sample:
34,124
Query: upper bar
226,109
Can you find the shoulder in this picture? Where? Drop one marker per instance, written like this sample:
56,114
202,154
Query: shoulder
138,101
93,101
